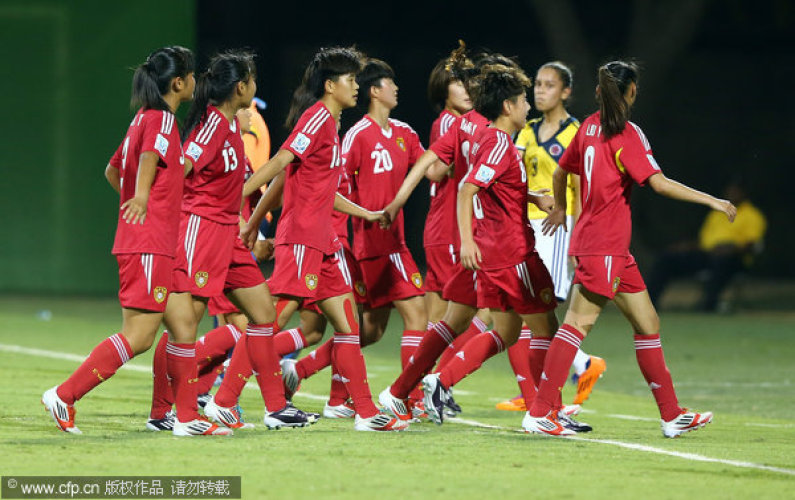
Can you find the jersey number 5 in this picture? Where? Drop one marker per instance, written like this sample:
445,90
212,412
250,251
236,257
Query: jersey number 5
383,162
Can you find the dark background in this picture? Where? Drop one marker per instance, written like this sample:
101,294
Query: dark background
715,101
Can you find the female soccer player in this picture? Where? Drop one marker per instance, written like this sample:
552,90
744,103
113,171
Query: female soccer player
306,262
147,170
610,153
541,143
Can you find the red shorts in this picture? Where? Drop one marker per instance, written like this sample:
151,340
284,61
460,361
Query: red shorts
352,274
145,280
391,277
525,288
461,287
220,304
212,259
443,263
609,274
305,272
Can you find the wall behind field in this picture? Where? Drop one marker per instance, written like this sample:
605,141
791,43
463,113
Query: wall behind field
66,90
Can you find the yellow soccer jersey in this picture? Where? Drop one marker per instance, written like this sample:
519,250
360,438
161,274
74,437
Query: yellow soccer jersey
540,160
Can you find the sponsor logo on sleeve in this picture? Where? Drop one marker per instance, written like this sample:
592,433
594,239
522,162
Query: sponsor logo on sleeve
484,174
194,151
300,143
161,144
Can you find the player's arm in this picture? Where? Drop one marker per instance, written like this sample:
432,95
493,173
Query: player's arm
414,177
678,191
270,201
264,175
114,177
541,199
134,209
346,206
577,208
557,217
438,171
470,253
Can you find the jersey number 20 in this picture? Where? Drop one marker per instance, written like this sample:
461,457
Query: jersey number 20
383,162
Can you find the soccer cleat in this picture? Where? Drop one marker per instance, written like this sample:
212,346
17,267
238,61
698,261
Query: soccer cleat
290,377
229,417
380,422
62,413
393,405
345,410
162,424
513,404
573,425
548,424
199,427
202,399
569,410
435,396
595,368
289,416
686,421
418,411
451,408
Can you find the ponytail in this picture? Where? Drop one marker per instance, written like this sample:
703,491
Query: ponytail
152,79
327,64
217,84
614,80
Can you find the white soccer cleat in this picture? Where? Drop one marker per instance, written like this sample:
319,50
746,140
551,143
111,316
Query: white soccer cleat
435,396
393,405
686,421
548,425
380,422
62,413
199,427
345,410
290,377
570,410
229,417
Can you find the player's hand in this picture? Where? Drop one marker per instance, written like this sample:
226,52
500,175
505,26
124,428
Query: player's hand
384,221
555,219
574,261
134,210
726,207
470,255
249,235
391,212
263,249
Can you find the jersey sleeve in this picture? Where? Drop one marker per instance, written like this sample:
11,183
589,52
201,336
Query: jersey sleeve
571,161
350,153
308,133
635,156
203,143
491,161
115,160
415,148
155,137
444,147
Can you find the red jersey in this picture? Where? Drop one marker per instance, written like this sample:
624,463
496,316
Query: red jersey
438,230
607,169
214,186
377,162
502,231
156,131
338,219
311,182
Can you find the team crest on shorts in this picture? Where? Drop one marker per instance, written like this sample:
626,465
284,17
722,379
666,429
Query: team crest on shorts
616,282
401,143
311,281
160,293
417,280
547,295
361,290
201,278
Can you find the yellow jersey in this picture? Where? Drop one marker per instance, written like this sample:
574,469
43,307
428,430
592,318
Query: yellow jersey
748,228
541,159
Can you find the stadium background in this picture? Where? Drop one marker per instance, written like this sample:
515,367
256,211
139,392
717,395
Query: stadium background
715,101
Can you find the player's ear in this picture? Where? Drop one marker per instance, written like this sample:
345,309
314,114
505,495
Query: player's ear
329,86
507,106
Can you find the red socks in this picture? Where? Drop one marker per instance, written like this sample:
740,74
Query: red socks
347,358
162,394
213,347
237,374
519,356
648,351
316,360
288,341
460,341
338,393
100,365
408,344
265,362
181,367
436,340
480,348
556,369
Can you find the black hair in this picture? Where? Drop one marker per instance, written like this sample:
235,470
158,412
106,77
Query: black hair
564,72
453,68
218,82
329,63
370,76
483,59
493,85
152,78
615,78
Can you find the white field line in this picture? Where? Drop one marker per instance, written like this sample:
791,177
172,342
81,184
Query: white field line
472,423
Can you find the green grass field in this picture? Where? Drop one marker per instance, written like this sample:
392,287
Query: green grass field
738,366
